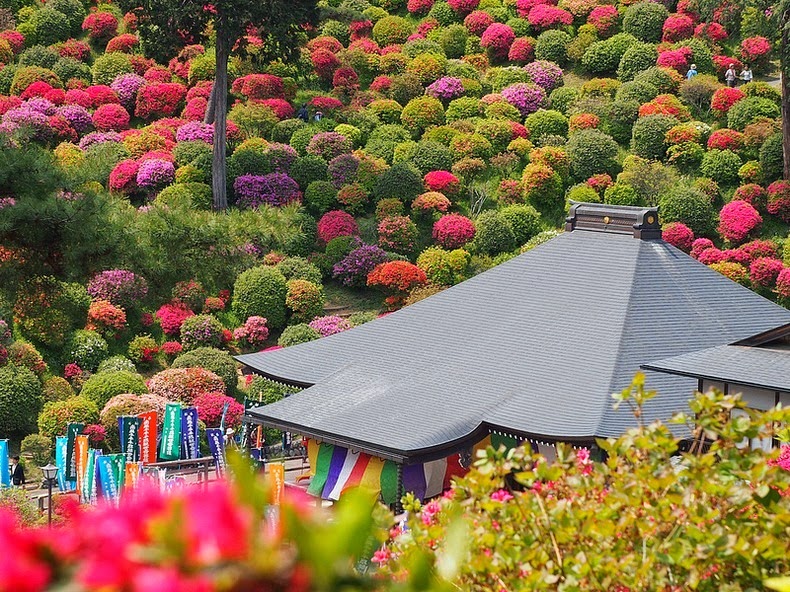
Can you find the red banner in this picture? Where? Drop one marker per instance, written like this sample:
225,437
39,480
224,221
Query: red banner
148,437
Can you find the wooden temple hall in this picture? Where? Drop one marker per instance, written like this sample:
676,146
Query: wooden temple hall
530,350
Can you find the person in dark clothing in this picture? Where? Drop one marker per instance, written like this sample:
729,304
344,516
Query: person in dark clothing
17,472
303,114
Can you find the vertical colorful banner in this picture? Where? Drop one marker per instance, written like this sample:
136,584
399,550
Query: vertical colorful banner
216,444
5,468
131,476
129,429
111,475
88,493
61,445
148,437
225,407
81,460
171,433
71,465
277,482
190,447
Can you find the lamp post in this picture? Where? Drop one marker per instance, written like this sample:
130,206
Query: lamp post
50,472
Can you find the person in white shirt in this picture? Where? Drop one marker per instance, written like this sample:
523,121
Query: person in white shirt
746,74
730,76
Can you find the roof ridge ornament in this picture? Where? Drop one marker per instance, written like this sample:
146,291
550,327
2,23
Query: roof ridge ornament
640,222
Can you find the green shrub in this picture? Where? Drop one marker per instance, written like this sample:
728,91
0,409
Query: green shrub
7,75
339,247
320,197
494,234
267,391
215,360
546,122
261,291
582,192
552,45
296,334
641,92
20,400
56,388
25,76
620,118
305,300
464,108
647,139
771,158
453,41
636,58
55,416
691,207
721,166
421,113
645,21
39,55
308,169
18,500
283,130
202,330
186,152
431,156
442,267
302,242
391,30
649,178
115,363
622,195
109,66
762,90
87,349
524,220
401,181
686,156
603,57
38,447
299,268
254,119
102,387
501,77
73,10
562,98
591,152
442,12
48,26
749,109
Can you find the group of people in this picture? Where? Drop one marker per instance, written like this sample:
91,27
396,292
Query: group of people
304,115
731,77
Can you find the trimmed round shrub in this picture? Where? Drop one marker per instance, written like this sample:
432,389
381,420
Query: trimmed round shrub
552,45
261,291
722,166
453,231
115,363
691,207
648,135
636,58
431,156
771,157
391,30
592,152
201,330
184,384
296,334
401,181
603,57
445,268
129,404
307,169
421,113
562,98
20,400
48,26
109,66
320,196
215,360
546,122
748,110
87,349
737,220
524,220
353,269
102,387
57,415
622,194
56,388
299,268
645,21
494,234
305,300
398,234
641,92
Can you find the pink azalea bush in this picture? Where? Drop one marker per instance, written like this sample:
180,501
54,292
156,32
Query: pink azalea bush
737,220
678,235
453,231
336,223
329,325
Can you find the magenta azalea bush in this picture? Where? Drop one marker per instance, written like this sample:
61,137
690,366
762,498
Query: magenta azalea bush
330,325
274,189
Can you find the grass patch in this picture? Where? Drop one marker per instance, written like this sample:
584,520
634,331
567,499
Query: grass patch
352,300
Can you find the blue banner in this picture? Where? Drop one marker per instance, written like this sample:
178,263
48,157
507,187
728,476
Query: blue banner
111,474
129,430
61,450
216,443
5,469
71,459
190,447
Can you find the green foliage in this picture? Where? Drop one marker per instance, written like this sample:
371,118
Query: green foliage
622,194
401,181
648,178
771,158
267,391
636,58
645,21
48,26
592,152
18,500
453,41
647,139
524,220
87,349
603,57
215,360
320,196
38,447
494,234
690,206
721,166
261,291
109,66
56,389
102,387
68,68
55,416
546,122
296,334
562,98
299,268
20,400
552,45
749,109
307,169
39,55
444,267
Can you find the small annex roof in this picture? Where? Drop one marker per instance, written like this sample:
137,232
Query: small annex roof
533,347
764,366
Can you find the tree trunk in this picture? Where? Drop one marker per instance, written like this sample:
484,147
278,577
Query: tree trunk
219,105
784,70
209,116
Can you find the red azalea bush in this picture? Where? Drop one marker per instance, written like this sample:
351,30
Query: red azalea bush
345,79
677,59
763,271
546,16
699,246
722,63
122,43
253,334
101,94
100,26
756,50
478,21
582,121
419,7
678,235
159,99
522,50
737,220
259,86
123,178
325,63
398,233
79,97
171,316
725,139
363,29
497,39
677,27
453,231
111,116
751,193
724,98
666,105
15,39
429,202
604,18
463,7
783,290
779,200
105,318
712,32
758,248
443,182
396,276
210,406
336,223
184,384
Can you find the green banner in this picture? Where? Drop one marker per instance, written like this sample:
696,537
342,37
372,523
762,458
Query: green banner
71,460
89,481
170,448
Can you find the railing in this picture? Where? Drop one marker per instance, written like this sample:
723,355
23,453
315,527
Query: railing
185,467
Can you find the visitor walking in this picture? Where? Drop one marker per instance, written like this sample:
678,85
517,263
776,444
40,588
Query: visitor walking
746,74
303,114
730,76
318,116
692,72
17,472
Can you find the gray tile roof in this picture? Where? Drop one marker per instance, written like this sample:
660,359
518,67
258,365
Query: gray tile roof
534,346
761,367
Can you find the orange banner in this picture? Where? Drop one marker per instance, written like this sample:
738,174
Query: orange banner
277,482
81,446
131,475
148,437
